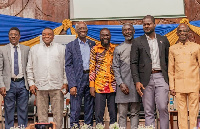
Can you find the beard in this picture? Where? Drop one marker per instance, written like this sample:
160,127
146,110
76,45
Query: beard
105,44
128,38
149,32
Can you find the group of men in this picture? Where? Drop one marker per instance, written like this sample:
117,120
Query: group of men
100,73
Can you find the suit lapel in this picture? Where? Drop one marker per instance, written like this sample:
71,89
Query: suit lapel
90,44
9,54
160,42
78,50
145,44
22,55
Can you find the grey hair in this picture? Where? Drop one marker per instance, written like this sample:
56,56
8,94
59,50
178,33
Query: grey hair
127,24
79,23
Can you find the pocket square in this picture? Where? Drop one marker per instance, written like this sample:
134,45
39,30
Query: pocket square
161,42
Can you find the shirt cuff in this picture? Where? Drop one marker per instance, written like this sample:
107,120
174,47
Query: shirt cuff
171,88
91,83
31,83
65,81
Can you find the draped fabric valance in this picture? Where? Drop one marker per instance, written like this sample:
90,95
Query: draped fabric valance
32,28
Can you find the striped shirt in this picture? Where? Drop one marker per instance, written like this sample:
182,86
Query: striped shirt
101,73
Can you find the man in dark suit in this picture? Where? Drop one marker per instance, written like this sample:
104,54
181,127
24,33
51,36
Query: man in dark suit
13,79
149,67
77,70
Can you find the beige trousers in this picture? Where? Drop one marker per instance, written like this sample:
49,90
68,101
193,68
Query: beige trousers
193,105
57,104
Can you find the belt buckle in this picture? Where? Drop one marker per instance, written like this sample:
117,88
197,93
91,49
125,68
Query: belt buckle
153,70
14,79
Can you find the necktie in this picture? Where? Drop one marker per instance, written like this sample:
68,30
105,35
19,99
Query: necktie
16,66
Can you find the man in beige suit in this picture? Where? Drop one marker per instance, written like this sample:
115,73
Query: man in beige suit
184,61
13,80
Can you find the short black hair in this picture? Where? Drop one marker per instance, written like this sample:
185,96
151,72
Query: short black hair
48,28
104,29
151,17
14,28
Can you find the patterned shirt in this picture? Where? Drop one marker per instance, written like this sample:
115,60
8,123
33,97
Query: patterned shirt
101,73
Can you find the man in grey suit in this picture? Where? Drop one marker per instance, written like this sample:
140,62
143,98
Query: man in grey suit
126,94
13,81
149,67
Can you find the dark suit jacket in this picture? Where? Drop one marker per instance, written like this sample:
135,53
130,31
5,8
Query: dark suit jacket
141,63
74,63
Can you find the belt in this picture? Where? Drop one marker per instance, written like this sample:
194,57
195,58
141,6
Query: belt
155,71
17,79
86,71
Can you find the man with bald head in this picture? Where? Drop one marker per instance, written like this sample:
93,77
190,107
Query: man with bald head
184,63
126,94
77,61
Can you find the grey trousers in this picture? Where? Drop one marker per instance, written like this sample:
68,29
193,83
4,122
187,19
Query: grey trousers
134,111
156,93
57,104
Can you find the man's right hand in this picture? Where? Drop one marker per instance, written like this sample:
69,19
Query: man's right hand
92,91
73,91
124,88
33,89
3,91
138,88
172,92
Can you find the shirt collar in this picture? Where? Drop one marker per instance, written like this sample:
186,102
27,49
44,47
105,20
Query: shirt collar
110,47
187,43
51,44
148,38
81,42
12,46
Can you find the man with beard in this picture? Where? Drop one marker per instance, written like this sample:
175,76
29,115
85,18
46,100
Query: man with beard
126,94
47,78
13,79
149,68
77,59
102,80
184,63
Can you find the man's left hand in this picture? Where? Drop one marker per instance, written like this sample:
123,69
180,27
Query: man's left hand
64,89
124,88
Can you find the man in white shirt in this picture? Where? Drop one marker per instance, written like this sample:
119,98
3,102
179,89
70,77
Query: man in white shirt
47,78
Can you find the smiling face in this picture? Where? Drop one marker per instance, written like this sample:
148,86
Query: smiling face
105,37
14,37
182,32
81,30
148,26
128,32
47,36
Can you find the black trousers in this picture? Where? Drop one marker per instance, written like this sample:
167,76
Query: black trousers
100,104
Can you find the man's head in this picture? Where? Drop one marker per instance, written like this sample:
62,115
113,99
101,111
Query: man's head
81,30
14,35
47,36
149,24
105,37
182,32
128,31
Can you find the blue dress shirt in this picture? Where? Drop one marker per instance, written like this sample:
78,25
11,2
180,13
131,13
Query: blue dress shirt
85,52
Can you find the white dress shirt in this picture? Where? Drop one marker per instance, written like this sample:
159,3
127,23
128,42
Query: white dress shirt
20,75
154,51
46,66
